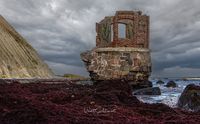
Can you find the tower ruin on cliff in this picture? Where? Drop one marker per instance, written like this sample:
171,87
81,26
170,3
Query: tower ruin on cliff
120,54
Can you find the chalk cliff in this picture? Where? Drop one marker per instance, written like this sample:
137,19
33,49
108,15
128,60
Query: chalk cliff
18,59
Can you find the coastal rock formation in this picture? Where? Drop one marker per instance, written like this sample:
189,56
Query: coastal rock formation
148,91
171,84
190,98
118,57
18,59
160,82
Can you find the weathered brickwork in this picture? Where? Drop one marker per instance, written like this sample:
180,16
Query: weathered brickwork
115,57
137,30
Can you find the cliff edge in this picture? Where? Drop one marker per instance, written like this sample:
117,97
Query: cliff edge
18,59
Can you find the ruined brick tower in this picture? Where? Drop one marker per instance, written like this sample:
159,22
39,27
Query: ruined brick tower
122,48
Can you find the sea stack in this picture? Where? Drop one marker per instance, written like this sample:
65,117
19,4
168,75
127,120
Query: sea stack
18,59
122,48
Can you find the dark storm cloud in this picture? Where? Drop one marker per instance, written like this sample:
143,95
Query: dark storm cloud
60,29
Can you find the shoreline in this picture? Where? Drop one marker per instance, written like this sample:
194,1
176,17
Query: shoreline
68,102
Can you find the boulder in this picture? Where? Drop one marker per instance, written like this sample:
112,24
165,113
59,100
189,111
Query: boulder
190,98
171,84
140,85
160,82
148,91
148,83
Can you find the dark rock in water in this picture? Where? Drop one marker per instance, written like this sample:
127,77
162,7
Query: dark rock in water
148,91
190,98
171,84
2,81
141,85
160,82
148,83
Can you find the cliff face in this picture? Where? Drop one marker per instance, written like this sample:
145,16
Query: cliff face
18,59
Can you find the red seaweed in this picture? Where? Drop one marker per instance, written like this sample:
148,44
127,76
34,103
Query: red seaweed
61,103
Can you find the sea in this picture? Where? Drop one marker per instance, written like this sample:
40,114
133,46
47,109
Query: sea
169,96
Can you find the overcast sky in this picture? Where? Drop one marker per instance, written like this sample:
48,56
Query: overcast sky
61,29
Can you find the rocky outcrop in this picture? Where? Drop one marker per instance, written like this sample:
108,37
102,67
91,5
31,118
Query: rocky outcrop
118,63
171,84
18,59
190,98
140,85
116,57
148,91
160,82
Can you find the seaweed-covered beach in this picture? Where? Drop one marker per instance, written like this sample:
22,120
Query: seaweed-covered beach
50,102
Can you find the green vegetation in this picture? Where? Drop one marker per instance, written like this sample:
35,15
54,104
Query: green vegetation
73,76
3,76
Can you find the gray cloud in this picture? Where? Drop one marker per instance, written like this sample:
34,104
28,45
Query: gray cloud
60,29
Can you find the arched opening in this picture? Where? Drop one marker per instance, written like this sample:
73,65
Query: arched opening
121,31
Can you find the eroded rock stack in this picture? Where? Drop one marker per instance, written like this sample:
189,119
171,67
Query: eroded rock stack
121,57
18,59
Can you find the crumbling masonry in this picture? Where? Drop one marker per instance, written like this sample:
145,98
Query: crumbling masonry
116,56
